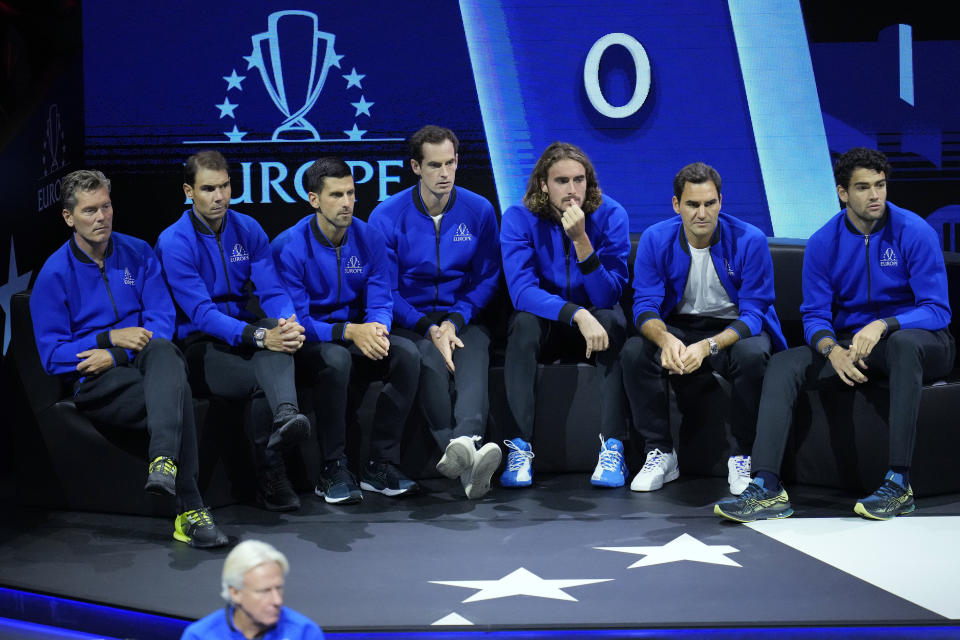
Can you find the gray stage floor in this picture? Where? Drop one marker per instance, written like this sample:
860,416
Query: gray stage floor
561,554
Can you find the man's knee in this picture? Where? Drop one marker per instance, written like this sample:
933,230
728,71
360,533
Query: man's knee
523,333
404,357
637,352
750,356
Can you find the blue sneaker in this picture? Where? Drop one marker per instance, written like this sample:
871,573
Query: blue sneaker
611,470
519,471
755,503
337,485
384,477
892,499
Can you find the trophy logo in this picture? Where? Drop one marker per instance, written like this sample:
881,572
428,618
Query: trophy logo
353,265
463,234
53,146
267,57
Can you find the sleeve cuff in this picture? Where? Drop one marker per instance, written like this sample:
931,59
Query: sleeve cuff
892,324
645,317
820,335
740,328
119,356
337,331
103,340
247,336
423,324
591,264
567,312
457,320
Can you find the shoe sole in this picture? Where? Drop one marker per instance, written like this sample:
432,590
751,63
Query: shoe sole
780,515
484,468
292,432
861,510
351,499
516,485
277,507
219,542
456,459
670,477
159,489
366,486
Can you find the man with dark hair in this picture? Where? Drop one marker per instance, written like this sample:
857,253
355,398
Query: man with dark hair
216,261
103,318
338,275
445,263
874,299
565,261
703,301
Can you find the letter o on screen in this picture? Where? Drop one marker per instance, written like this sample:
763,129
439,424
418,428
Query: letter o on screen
591,75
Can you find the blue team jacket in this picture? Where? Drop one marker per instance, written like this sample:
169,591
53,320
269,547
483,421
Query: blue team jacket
895,274
208,274
454,270
75,304
219,626
330,285
741,258
541,268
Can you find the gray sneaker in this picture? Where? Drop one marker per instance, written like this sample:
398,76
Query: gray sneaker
458,457
476,479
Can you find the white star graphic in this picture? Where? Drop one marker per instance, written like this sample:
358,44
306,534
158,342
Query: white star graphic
15,284
684,547
519,583
362,107
233,81
236,135
353,78
226,109
355,133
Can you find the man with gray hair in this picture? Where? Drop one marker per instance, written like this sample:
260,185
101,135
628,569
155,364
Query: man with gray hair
103,320
252,586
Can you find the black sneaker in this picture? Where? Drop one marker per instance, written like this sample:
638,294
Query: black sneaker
383,477
197,528
289,429
337,485
162,477
274,491
755,503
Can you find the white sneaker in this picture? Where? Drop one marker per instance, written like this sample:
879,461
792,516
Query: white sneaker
458,457
659,468
738,473
476,479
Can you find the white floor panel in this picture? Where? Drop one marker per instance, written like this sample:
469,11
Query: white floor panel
916,558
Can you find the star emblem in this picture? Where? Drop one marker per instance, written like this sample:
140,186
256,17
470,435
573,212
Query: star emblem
226,109
353,78
254,61
362,107
233,81
335,59
355,133
519,583
15,284
684,547
236,135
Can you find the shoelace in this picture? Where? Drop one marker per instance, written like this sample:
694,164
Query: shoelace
889,490
740,465
201,517
654,460
610,459
517,457
163,465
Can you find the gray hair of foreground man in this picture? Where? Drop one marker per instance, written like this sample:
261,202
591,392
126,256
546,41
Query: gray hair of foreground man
245,556
82,180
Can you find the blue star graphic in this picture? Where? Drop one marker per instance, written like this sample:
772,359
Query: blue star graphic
355,133
233,81
254,61
226,109
15,284
362,107
236,135
353,78
335,59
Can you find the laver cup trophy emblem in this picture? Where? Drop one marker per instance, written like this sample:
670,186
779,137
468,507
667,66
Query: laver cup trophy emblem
292,37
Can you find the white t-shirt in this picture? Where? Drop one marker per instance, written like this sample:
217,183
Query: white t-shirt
704,295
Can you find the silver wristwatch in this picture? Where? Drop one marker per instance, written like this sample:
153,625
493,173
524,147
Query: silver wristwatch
259,335
714,347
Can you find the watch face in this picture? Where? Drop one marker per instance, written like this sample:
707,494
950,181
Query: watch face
260,333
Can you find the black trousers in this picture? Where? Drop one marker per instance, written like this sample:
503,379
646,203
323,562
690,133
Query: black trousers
151,392
335,371
645,381
454,404
530,337
261,377
907,357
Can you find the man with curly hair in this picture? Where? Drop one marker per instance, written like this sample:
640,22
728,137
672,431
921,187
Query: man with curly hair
565,262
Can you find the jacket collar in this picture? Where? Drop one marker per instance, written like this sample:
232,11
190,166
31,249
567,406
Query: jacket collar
418,200
80,255
322,238
714,239
881,223
200,225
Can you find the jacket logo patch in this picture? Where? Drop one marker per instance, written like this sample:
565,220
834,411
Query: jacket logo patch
463,234
239,254
128,277
726,263
888,258
353,265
